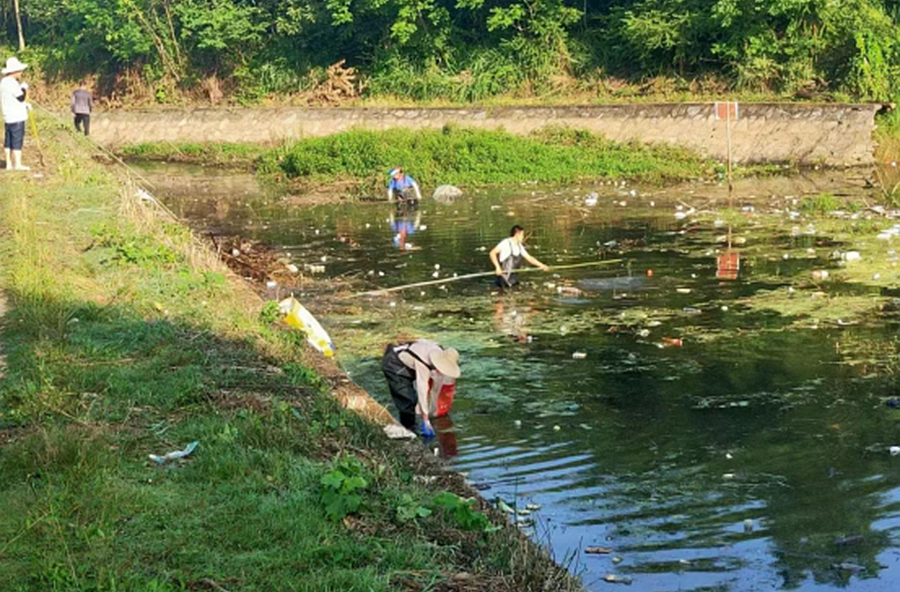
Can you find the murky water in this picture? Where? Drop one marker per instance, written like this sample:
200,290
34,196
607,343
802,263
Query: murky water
745,456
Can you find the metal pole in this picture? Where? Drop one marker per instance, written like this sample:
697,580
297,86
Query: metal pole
730,165
728,134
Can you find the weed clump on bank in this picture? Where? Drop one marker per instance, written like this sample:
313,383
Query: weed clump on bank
471,157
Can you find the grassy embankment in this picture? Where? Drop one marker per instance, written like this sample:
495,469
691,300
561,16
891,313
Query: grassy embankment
125,337
360,159
217,154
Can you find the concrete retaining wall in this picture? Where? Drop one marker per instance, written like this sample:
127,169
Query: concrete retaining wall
832,134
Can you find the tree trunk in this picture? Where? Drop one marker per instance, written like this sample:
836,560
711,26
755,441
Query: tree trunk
19,25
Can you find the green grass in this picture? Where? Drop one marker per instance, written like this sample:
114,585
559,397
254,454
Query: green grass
464,156
820,204
221,154
126,337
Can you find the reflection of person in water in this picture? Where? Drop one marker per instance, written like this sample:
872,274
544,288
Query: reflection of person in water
507,257
404,223
446,436
510,320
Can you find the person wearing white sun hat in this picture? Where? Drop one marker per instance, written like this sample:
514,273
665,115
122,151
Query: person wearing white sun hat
409,368
15,112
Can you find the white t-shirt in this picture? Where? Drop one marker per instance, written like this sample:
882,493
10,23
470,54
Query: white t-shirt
14,110
510,247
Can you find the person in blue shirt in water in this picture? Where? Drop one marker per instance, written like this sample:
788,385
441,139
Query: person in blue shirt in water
403,185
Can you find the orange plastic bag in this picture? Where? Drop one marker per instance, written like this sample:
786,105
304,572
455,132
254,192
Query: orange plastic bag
445,399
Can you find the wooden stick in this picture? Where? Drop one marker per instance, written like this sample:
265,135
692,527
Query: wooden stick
478,275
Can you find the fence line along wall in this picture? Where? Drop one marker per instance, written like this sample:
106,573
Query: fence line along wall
830,134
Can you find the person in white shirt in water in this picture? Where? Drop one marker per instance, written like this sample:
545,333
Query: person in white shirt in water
507,257
15,112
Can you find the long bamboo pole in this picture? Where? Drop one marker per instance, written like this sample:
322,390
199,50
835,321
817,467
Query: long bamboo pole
478,275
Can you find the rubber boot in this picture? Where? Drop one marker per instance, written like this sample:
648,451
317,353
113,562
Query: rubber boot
408,420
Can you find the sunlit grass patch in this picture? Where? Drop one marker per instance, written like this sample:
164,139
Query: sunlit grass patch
465,156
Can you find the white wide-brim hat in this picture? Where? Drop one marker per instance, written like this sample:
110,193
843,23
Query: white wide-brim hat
13,65
446,362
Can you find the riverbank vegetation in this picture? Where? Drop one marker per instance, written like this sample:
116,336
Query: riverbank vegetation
359,159
213,154
125,337
326,51
472,157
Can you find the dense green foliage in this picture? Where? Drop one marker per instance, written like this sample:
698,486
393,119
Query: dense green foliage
468,49
464,156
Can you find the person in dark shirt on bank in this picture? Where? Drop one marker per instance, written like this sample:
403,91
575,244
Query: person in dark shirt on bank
82,105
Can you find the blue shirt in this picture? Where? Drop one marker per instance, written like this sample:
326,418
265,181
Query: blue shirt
403,183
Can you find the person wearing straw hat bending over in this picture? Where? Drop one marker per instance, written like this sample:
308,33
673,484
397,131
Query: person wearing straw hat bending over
507,257
408,368
15,112
404,185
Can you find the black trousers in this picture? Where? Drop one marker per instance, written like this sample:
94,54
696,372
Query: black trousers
401,380
83,118
504,282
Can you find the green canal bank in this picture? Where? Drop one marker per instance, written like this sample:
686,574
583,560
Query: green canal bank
124,336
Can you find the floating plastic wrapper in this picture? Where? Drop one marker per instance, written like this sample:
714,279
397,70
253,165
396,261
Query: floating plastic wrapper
296,315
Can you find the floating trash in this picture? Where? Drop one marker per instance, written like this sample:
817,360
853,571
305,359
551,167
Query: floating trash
614,579
848,567
598,550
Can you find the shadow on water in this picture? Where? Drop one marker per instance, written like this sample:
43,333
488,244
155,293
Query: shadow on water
710,445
